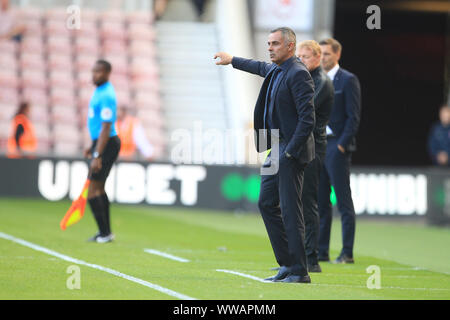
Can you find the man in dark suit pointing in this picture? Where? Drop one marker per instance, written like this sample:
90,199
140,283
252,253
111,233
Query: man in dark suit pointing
342,129
285,106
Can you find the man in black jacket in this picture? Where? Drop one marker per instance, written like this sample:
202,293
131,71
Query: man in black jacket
286,107
310,53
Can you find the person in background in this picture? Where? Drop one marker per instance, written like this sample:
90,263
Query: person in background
22,140
132,136
10,28
310,53
439,138
341,143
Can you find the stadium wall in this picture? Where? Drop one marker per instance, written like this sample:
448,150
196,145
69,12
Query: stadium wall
400,193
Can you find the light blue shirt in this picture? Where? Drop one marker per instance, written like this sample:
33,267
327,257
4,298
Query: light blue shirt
102,108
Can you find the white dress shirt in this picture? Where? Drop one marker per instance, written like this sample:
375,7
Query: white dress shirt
332,74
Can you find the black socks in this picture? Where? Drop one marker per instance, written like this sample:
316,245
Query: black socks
100,208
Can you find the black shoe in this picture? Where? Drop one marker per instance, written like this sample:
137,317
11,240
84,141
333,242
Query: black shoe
275,269
293,278
343,259
323,258
94,237
314,268
282,273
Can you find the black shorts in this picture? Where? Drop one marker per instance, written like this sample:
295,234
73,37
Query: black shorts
109,156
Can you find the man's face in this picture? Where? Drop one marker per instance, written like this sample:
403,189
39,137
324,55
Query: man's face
308,58
329,58
444,115
280,50
99,74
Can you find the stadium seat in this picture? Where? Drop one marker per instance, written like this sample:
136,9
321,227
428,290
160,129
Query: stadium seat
141,31
141,17
66,132
140,48
60,44
84,63
150,117
33,79
8,62
39,114
64,114
32,61
87,45
88,16
62,96
35,96
58,13
67,149
29,13
88,29
7,111
112,30
62,79
119,81
32,44
8,79
8,47
123,96
8,95
56,28
33,27
57,61
112,16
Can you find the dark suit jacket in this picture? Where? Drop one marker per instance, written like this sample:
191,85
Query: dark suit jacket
346,113
323,103
294,104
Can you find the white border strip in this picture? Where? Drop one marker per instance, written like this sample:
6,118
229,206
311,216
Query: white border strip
165,255
95,266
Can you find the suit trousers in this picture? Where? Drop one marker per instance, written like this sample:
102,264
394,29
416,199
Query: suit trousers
281,208
311,208
336,172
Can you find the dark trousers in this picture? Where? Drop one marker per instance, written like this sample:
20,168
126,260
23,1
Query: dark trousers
281,209
311,208
336,172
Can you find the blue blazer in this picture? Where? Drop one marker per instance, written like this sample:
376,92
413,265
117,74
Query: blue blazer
294,104
346,112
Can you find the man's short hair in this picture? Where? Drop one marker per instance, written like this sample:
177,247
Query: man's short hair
335,45
312,45
105,65
287,33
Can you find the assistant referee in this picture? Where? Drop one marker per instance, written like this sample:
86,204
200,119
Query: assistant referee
105,147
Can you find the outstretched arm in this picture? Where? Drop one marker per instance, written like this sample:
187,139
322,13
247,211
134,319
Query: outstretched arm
255,67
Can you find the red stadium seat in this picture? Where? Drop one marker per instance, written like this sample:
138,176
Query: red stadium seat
57,61
32,61
39,114
67,149
112,47
141,31
33,27
60,44
123,97
8,79
32,44
29,13
61,79
57,28
88,16
59,13
84,63
144,17
87,29
8,62
8,47
62,97
150,117
65,114
35,96
87,45
112,30
33,79
7,111
112,16
140,48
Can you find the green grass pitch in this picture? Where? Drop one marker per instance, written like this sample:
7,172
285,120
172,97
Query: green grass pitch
414,260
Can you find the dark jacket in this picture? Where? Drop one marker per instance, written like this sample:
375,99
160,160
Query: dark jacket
346,113
323,103
294,105
438,141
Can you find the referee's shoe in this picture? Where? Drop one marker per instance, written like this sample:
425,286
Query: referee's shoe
100,239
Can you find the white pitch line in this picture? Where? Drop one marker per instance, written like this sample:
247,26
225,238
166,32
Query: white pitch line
95,266
165,255
244,275
327,284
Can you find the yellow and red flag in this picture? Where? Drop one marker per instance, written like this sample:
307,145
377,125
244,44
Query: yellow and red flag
76,210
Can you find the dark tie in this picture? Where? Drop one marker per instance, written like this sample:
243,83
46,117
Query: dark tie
269,93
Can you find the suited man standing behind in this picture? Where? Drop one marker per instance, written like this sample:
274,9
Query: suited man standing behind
286,103
342,129
310,53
